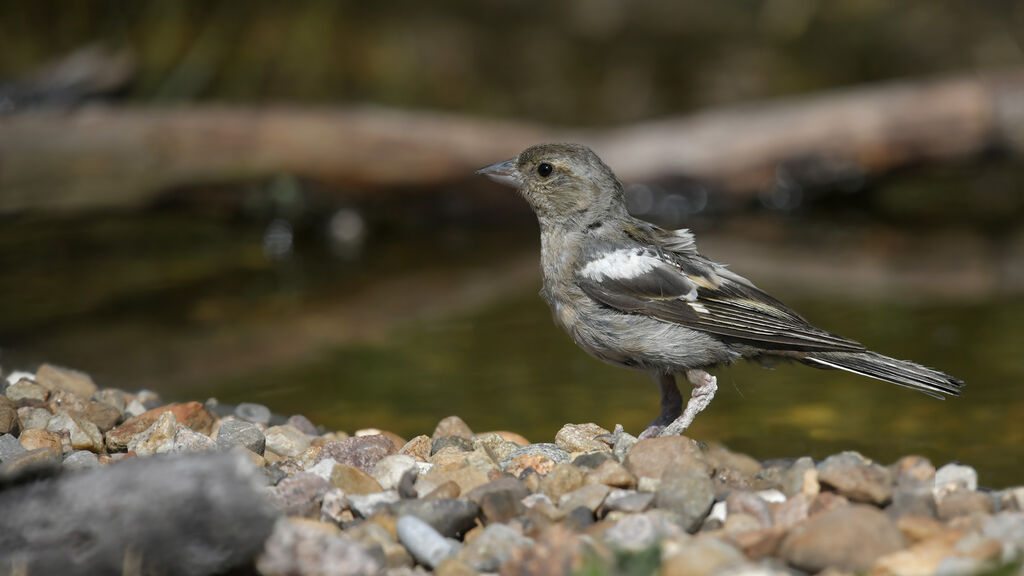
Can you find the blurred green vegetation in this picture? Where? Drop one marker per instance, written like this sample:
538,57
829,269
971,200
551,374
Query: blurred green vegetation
576,62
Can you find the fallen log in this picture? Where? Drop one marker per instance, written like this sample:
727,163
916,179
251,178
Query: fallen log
103,156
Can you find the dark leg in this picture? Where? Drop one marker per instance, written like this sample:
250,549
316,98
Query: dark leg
671,405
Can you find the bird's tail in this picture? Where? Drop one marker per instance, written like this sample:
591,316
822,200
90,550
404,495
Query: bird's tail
899,372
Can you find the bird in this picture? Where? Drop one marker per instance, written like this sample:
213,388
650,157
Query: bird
636,295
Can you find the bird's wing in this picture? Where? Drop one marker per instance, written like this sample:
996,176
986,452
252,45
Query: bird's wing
701,295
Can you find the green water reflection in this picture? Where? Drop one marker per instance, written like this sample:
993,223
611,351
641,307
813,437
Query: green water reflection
507,367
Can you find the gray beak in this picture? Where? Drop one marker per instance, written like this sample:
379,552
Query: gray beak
503,173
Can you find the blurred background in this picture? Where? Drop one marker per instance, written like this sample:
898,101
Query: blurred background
274,202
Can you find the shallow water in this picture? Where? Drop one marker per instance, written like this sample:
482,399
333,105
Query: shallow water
429,320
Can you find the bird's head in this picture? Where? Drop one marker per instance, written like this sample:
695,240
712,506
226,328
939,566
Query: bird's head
562,182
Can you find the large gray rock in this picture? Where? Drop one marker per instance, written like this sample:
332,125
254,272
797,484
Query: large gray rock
849,538
687,491
209,506
237,432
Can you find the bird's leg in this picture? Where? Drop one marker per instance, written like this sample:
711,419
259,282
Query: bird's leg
704,387
671,405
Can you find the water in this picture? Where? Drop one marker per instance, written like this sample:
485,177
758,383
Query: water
429,320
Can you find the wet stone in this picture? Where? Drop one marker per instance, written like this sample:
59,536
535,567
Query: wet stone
251,412
363,452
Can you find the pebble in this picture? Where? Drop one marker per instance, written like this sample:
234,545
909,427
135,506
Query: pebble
251,412
36,438
638,532
366,505
238,432
629,501
418,448
9,421
425,543
302,424
26,392
610,473
56,378
84,434
459,443
81,460
589,497
650,457
286,440
35,418
857,478
562,479
953,477
582,438
849,538
363,452
188,440
111,397
300,495
389,470
452,426
493,547
703,556
353,480
300,546
687,491
191,414
29,460
10,447
449,516
157,439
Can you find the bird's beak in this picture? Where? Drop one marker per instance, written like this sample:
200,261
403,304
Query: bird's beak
503,172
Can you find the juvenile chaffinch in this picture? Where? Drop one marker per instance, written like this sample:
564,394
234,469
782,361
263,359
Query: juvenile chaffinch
639,296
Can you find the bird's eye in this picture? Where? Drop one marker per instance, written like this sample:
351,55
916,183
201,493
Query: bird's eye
544,169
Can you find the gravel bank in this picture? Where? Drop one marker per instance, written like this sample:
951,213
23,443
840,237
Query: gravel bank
280,496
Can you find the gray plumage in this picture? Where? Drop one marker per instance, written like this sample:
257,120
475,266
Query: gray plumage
636,295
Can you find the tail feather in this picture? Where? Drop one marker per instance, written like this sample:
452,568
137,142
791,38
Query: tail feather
899,372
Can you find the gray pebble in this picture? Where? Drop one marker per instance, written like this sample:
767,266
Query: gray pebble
492,547
951,476
303,424
366,505
591,460
449,516
81,460
252,412
552,451
40,458
425,544
688,492
9,447
38,418
300,494
628,501
235,432
443,442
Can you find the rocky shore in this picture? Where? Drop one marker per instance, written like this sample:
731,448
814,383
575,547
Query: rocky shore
96,480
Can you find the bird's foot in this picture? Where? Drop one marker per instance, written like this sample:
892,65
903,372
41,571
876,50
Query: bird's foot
652,431
704,387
